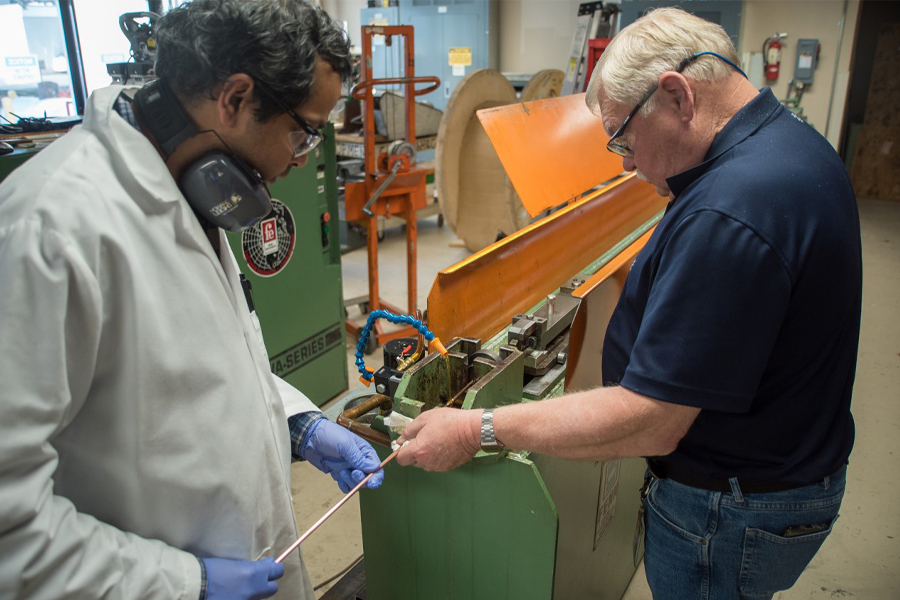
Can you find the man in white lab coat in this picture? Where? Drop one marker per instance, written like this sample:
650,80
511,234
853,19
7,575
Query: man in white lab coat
145,445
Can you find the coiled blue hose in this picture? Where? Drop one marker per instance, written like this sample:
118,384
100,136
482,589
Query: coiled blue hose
366,373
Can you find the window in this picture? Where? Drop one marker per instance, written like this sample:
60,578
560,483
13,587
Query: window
35,78
101,38
34,65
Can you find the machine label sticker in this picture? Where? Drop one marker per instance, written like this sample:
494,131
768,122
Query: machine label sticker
298,355
268,245
269,236
606,501
460,57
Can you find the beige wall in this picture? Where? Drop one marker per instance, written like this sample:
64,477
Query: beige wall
806,19
348,11
536,34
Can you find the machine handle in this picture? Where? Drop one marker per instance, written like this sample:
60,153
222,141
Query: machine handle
358,91
387,181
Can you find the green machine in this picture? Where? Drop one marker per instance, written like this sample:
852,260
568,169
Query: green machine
292,260
514,525
520,526
9,162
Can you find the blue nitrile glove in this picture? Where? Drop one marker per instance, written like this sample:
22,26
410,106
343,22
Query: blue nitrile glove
241,579
345,456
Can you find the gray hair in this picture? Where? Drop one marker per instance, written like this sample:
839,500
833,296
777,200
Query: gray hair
204,42
657,42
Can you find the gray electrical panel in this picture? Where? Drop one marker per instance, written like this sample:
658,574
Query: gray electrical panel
453,38
726,13
807,59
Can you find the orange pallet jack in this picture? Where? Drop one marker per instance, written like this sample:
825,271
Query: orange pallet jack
393,186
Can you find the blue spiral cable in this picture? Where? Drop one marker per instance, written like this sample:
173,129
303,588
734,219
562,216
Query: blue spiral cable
366,373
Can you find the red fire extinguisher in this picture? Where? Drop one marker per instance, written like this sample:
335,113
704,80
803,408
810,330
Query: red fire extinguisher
772,55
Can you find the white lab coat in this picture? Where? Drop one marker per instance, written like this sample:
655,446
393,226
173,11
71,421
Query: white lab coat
140,425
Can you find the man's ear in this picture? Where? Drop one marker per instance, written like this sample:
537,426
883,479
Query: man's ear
677,94
235,101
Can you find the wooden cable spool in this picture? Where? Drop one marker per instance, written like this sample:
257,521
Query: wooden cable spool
544,84
477,199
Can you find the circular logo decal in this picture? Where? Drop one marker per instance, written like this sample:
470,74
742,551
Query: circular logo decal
268,245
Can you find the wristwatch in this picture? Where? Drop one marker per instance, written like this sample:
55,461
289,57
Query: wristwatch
489,442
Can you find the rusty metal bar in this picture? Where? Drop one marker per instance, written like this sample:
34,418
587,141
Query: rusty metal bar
348,417
359,90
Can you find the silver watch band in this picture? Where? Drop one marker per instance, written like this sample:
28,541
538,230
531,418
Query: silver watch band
489,441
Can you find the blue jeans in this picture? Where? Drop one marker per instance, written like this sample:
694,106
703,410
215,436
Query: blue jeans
703,545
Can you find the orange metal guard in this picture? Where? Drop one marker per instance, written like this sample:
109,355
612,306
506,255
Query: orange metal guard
553,149
479,295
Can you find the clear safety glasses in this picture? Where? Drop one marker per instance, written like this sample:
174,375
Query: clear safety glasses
616,144
303,141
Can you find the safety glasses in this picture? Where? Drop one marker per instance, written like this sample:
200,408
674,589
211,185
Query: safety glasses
303,141
616,144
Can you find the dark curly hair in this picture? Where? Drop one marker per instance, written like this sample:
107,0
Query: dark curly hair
202,43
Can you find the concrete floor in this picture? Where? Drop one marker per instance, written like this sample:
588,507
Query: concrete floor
860,559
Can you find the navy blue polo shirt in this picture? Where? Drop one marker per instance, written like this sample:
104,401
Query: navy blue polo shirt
745,303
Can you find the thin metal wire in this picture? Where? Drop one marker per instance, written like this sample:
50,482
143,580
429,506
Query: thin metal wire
334,508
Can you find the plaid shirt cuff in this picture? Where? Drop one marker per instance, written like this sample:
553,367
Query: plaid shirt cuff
300,425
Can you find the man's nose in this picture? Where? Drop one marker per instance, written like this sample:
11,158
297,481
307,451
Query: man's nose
628,163
299,161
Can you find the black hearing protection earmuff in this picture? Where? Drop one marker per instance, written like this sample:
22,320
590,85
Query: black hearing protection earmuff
219,186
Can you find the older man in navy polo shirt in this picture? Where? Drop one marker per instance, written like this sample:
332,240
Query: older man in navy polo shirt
730,358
